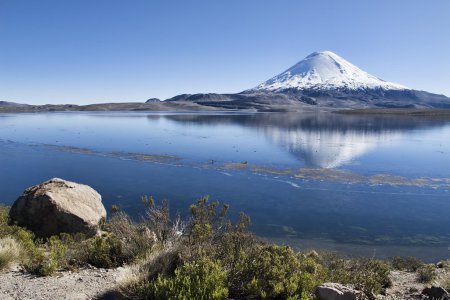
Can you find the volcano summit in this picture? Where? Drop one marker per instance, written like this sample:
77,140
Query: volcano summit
325,71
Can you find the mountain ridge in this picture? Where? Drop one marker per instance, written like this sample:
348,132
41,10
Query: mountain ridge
323,80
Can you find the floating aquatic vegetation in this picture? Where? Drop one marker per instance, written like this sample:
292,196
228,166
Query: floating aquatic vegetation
123,155
316,174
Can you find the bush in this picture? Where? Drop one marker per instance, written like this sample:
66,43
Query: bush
136,278
42,258
410,264
370,276
5,229
206,223
426,274
277,272
367,275
218,254
232,250
104,252
55,256
202,279
33,255
157,220
136,239
9,252
4,212
128,241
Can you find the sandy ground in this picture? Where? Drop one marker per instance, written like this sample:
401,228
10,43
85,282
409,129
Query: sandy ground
406,286
85,284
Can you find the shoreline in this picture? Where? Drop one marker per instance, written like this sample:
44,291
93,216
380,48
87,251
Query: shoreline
422,112
193,107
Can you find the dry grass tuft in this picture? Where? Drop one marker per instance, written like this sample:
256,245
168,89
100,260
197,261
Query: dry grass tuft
157,262
9,253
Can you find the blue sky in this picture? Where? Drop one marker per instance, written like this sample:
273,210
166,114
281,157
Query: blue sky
88,51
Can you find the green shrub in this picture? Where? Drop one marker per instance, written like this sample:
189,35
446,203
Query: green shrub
33,254
104,252
219,254
5,229
55,257
4,212
232,249
277,272
410,264
42,258
202,279
368,275
206,221
426,274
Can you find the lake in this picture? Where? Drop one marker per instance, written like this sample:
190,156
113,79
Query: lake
358,185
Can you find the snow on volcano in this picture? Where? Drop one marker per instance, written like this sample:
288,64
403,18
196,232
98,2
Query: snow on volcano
325,71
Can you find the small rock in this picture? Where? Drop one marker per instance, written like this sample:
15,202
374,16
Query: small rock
336,291
436,293
440,265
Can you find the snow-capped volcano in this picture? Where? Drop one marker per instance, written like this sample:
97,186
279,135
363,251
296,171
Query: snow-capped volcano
322,79
322,71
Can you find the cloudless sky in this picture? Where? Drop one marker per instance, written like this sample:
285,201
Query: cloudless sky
89,51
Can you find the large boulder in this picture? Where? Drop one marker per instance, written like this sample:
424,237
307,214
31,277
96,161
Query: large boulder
336,291
58,206
436,293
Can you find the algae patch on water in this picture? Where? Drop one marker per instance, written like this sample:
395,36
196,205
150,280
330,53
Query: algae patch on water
315,174
156,158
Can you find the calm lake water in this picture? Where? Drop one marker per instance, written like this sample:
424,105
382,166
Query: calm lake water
360,185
